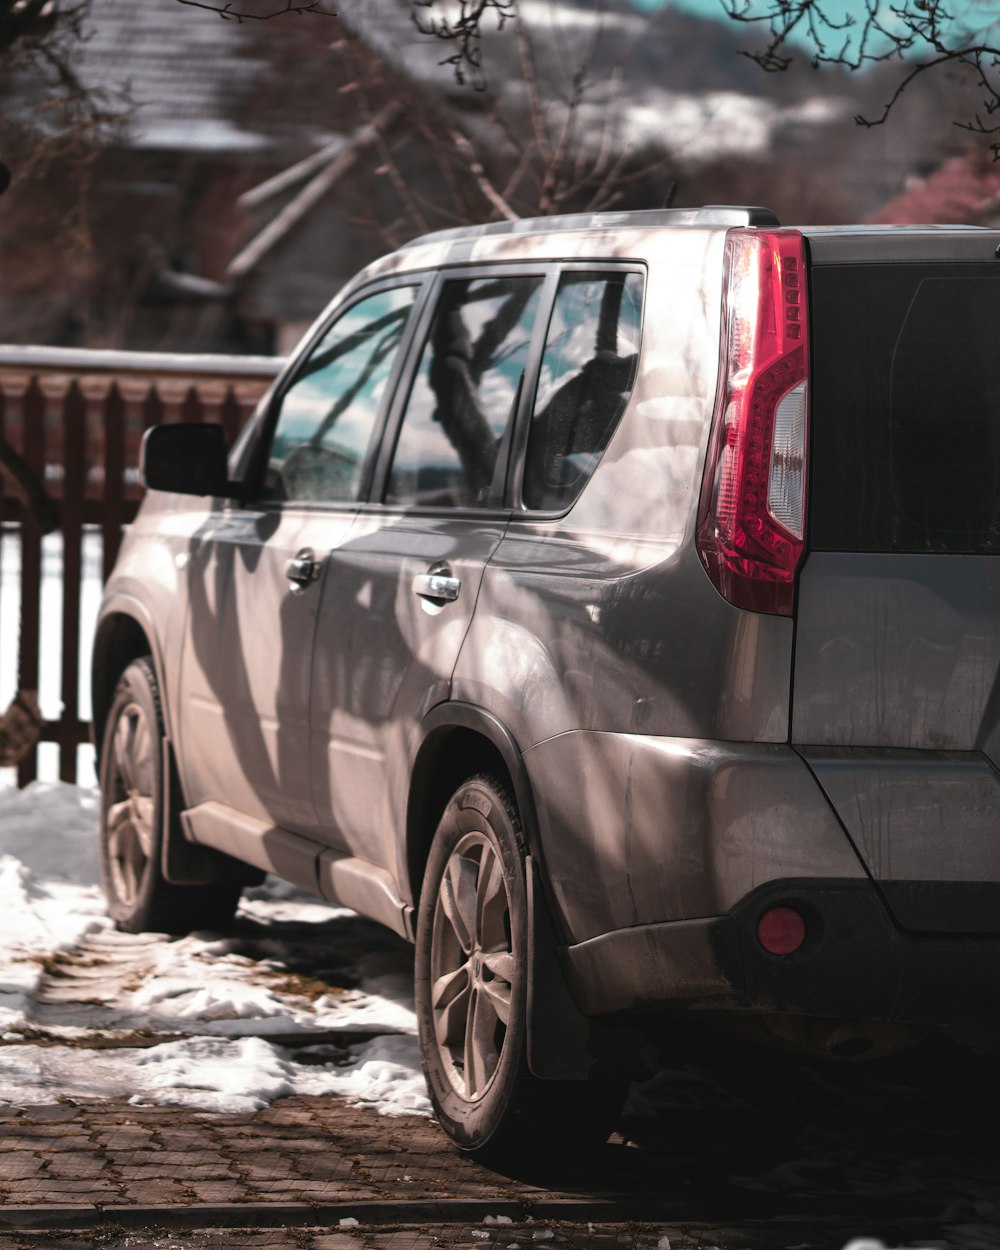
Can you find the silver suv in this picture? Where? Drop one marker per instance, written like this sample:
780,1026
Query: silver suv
611,606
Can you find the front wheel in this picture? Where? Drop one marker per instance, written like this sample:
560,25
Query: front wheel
139,897
471,991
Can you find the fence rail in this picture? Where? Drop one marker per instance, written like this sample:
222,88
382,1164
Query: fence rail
77,419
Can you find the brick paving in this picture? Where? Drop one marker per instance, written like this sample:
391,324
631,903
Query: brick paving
794,1164
298,1149
317,1151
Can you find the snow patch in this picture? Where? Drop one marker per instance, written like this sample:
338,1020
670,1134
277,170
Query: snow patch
227,996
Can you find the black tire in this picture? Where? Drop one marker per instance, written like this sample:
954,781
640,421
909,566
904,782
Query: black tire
471,993
139,897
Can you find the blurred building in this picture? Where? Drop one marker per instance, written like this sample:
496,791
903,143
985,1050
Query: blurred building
137,249
963,191
254,167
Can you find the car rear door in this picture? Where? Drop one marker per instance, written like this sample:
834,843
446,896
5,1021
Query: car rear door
398,596
896,702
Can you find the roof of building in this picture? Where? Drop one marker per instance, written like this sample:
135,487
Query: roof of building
190,81
963,191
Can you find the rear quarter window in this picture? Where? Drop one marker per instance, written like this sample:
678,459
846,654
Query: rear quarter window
905,428
587,373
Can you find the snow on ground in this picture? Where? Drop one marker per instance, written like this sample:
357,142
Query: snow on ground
218,1000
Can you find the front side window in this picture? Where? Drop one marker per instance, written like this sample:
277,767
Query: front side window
588,371
464,393
329,412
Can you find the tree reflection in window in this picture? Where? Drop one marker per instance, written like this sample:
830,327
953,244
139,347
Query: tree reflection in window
588,371
464,394
329,412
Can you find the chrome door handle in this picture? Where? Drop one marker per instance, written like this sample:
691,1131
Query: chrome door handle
437,586
302,569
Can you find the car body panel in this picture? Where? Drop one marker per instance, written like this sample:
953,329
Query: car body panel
391,662
920,819
148,584
898,650
641,830
245,680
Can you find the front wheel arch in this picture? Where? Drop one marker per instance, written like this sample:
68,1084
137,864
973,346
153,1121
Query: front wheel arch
120,639
136,820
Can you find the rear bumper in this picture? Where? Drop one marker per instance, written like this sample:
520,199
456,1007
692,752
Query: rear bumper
855,964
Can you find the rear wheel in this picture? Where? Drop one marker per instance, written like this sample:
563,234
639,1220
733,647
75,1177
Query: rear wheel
132,798
471,991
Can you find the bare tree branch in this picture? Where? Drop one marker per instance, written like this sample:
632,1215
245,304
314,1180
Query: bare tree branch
239,15
530,76
921,36
463,30
481,179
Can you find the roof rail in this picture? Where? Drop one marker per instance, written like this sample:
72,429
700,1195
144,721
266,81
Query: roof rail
709,215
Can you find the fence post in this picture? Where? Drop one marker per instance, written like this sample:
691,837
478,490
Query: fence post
31,566
74,472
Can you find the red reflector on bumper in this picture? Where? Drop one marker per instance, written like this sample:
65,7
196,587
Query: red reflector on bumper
781,931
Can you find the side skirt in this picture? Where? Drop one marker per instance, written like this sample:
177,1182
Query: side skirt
339,878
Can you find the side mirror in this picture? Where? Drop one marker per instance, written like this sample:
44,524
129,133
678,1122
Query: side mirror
188,458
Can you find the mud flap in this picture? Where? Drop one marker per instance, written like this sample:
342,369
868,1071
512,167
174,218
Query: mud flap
563,1043
182,862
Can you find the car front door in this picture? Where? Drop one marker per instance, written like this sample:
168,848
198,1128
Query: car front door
255,570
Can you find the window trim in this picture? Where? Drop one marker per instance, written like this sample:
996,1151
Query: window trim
518,510
548,271
257,459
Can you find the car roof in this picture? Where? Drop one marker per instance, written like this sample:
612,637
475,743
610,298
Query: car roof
727,215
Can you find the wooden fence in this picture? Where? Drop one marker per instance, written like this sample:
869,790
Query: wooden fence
77,418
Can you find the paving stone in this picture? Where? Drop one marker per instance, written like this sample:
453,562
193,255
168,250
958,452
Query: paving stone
154,1192
127,1157
139,1134
327,1191
76,1165
269,1141
24,1131
53,1113
270,1163
179,1138
19,1165
217,1191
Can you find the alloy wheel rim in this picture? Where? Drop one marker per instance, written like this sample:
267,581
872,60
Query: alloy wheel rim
472,966
129,816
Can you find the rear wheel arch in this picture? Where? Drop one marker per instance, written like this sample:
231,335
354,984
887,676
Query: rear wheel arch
459,741
476,992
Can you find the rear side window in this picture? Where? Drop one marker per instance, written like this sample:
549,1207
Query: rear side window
464,394
587,374
905,429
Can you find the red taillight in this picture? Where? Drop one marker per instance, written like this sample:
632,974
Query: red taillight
751,521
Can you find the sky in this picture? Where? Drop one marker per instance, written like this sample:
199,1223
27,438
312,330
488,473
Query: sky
967,15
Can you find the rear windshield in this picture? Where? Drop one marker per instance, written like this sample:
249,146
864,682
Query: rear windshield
905,429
